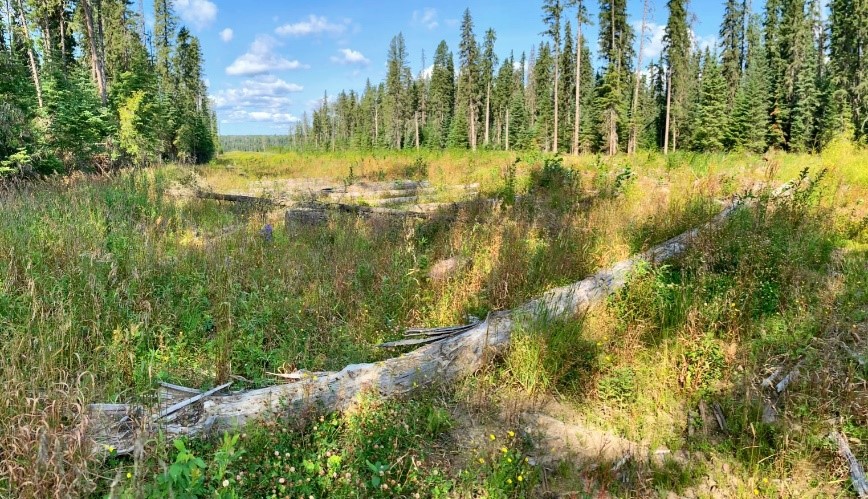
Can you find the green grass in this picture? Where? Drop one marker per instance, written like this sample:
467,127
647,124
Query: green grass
108,285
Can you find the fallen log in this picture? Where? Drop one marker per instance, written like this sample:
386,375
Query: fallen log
235,198
449,358
857,473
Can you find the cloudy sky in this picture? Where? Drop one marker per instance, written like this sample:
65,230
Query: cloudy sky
268,62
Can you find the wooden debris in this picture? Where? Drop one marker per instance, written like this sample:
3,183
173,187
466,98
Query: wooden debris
445,359
857,473
298,375
235,198
192,400
718,416
789,378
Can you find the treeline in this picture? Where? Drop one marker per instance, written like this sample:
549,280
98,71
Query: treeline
252,143
784,78
84,85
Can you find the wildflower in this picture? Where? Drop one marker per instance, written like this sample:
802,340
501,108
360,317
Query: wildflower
510,433
225,483
519,478
756,492
491,437
509,481
481,460
129,475
504,450
267,232
276,453
292,469
282,480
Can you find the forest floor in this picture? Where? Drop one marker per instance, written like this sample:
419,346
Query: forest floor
109,285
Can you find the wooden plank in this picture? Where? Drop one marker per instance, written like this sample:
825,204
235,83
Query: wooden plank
192,400
179,388
857,473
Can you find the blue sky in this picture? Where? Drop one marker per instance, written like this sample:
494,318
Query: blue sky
267,62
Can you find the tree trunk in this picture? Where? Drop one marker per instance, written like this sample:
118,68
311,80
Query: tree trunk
578,116
507,128
634,126
93,45
416,119
487,110
557,75
34,69
472,126
668,110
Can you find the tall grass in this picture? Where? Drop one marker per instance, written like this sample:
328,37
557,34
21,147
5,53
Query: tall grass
110,284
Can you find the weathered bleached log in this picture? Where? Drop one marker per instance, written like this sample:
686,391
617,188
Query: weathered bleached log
446,359
857,473
235,198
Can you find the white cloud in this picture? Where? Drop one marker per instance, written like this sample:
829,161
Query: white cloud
227,34
264,98
242,116
426,17
653,45
427,72
259,92
260,58
350,56
312,26
703,42
198,13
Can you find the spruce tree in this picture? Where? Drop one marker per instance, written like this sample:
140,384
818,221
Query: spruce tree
676,51
732,45
552,13
616,47
488,63
710,117
468,79
749,118
442,98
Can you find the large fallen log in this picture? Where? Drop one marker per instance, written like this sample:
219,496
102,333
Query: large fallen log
450,358
235,198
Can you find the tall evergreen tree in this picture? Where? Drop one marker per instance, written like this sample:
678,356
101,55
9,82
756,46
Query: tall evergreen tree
488,63
468,79
676,51
442,98
616,47
552,13
748,121
732,45
709,122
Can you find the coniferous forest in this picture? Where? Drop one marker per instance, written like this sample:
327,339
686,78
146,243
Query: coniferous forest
83,85
789,75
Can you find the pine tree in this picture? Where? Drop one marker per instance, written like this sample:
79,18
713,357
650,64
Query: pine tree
581,20
677,54
468,86
552,13
848,26
566,102
616,46
749,118
442,98
489,62
732,45
806,96
397,90
710,118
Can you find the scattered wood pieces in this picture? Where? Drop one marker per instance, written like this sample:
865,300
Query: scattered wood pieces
234,198
192,400
857,473
450,358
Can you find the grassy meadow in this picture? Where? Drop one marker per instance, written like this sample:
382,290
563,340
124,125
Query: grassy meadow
111,284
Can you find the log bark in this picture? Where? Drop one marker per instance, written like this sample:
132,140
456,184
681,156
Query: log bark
235,198
448,359
857,473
